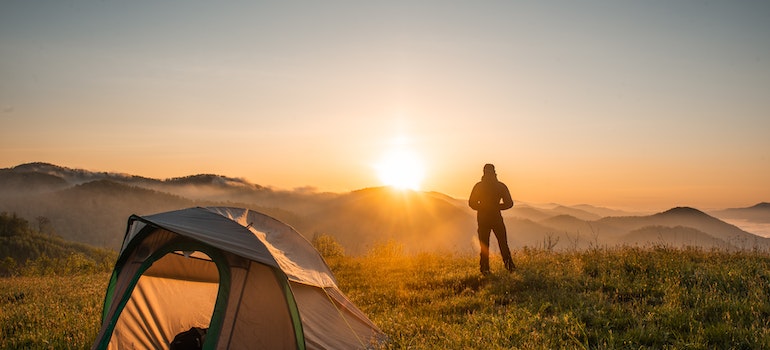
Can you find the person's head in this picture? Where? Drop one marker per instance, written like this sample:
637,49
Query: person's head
489,169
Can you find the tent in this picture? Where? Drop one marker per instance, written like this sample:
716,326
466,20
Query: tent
250,280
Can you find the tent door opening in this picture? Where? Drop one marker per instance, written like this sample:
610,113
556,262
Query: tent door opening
177,292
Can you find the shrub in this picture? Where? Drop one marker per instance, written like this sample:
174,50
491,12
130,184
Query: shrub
327,246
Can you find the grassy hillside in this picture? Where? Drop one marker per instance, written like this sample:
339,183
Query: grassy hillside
624,298
600,299
51,312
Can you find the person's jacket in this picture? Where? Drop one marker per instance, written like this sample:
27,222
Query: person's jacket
490,196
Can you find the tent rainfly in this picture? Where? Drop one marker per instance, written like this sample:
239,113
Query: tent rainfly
245,279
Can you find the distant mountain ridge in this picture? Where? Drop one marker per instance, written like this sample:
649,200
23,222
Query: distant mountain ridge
92,207
79,176
74,176
759,213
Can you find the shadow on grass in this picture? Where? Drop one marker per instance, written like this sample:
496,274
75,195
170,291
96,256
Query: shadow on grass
470,283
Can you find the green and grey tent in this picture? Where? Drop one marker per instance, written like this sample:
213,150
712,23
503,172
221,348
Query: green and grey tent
251,281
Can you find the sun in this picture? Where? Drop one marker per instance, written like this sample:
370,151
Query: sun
401,169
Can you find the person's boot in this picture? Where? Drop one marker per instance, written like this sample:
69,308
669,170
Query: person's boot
484,266
484,270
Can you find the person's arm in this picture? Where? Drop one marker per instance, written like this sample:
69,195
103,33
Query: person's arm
473,200
507,200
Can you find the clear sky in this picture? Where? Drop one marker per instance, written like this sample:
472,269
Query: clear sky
626,104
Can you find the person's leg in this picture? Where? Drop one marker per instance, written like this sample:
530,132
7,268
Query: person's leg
483,232
502,241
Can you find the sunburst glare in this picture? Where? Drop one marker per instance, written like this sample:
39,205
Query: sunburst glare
401,168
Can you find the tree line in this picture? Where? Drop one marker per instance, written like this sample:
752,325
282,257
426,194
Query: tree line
26,250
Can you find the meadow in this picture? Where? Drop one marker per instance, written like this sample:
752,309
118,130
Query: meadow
625,298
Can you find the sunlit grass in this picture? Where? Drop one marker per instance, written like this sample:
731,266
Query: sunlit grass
624,298
51,312
599,299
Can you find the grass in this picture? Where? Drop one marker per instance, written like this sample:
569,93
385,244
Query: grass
600,299
51,312
629,298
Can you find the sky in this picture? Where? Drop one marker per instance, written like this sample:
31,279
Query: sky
622,104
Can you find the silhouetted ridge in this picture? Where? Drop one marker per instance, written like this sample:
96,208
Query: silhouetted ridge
682,211
90,207
421,221
577,213
75,176
381,190
678,236
33,182
563,218
38,167
209,179
759,213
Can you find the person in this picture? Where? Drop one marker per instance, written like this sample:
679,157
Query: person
488,198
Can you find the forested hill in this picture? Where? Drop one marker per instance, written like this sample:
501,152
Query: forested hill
25,250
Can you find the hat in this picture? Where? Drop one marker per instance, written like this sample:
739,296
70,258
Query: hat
489,169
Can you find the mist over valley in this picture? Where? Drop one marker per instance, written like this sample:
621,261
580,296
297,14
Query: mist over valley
93,207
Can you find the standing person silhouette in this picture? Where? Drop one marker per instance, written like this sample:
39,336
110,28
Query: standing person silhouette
488,198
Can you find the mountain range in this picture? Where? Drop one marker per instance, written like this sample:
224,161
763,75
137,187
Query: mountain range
93,207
